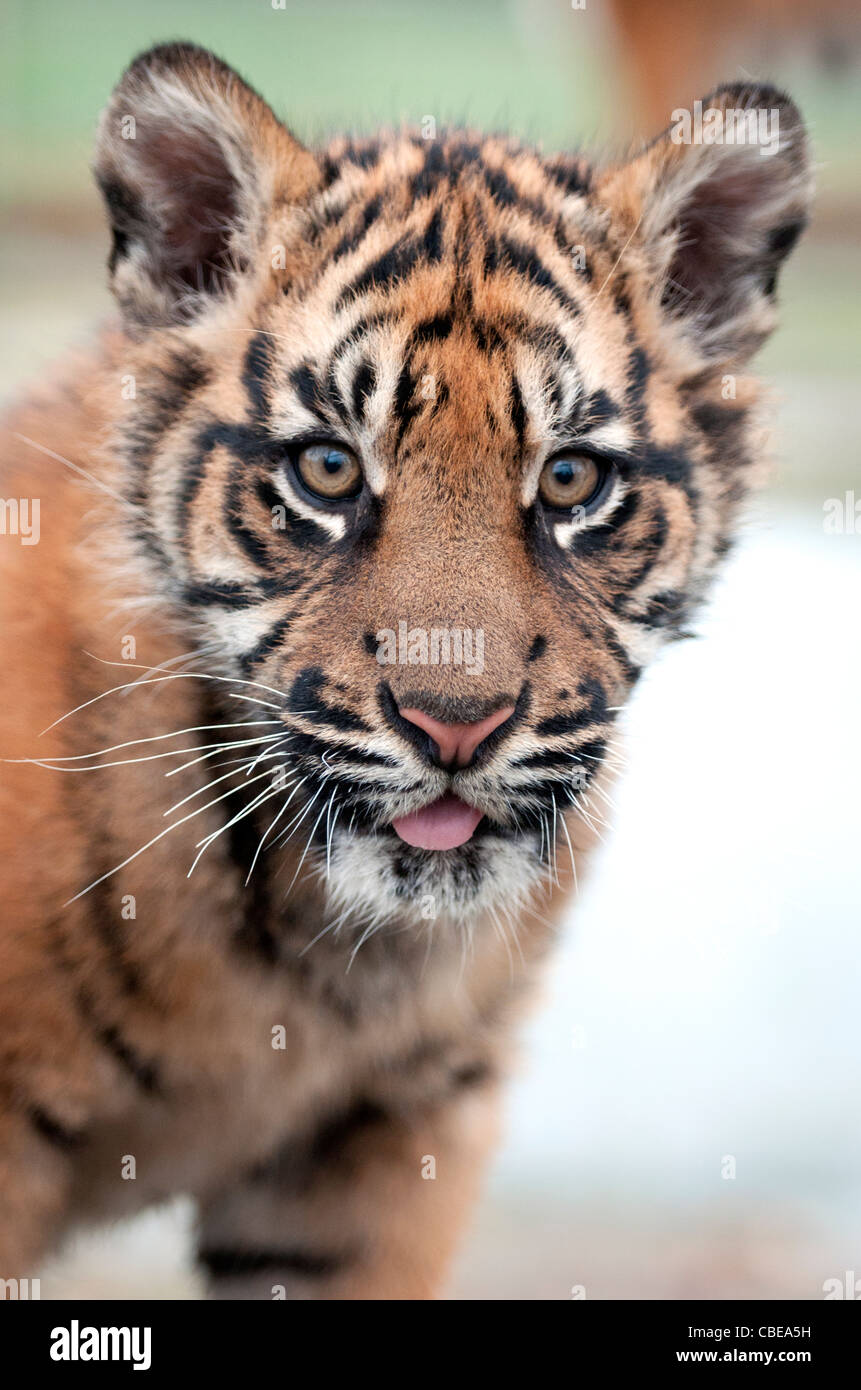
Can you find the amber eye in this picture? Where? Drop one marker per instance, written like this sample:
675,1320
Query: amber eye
571,480
329,471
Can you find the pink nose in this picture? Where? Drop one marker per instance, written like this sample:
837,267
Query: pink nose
457,742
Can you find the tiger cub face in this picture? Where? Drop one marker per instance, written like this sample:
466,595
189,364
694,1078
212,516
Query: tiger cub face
437,441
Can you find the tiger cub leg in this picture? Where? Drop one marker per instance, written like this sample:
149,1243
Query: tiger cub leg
52,1075
370,1208
35,1177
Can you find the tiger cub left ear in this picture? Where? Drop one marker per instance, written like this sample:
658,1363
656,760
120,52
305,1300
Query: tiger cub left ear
190,162
715,204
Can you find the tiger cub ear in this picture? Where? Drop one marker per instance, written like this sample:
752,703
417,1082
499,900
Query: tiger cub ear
190,162
715,204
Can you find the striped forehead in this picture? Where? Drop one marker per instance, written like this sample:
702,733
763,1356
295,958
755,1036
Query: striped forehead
438,271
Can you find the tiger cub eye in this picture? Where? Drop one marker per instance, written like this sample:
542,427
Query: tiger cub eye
329,471
570,480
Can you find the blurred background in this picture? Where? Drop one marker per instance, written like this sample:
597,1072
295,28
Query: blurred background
685,1121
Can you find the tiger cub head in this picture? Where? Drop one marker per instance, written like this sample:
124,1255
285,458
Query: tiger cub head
436,441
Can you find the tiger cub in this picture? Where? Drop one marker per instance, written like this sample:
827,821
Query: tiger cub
356,529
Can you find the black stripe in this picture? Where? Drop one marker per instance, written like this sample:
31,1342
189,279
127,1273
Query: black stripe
255,372
334,394
144,1073
542,336
268,642
305,698
432,241
473,1074
247,444
599,409
330,170
335,1134
358,331
651,551
433,172
102,914
350,240
392,265
300,530
225,593
572,176
255,902
365,154
595,712
500,187
626,511
161,406
630,668
593,751
719,422
544,757
51,1129
664,610
434,330
506,195
311,748
517,413
487,336
558,396
639,371
224,1262
561,724
526,263
666,463
364,383
162,402
405,407
307,388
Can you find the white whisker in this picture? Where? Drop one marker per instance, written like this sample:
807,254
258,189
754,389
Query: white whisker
272,826
155,680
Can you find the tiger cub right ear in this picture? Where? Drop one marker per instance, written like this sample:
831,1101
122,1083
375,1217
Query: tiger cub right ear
190,162
715,204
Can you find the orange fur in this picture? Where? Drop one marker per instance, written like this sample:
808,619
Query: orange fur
423,301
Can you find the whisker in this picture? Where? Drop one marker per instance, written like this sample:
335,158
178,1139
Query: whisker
213,782
138,852
196,654
330,830
156,680
571,852
51,765
272,826
232,695
297,820
307,847
266,752
203,845
76,468
151,738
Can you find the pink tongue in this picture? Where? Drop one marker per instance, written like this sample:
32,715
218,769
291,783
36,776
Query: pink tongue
444,824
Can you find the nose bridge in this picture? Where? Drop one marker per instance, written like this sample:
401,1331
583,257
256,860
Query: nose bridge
451,601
